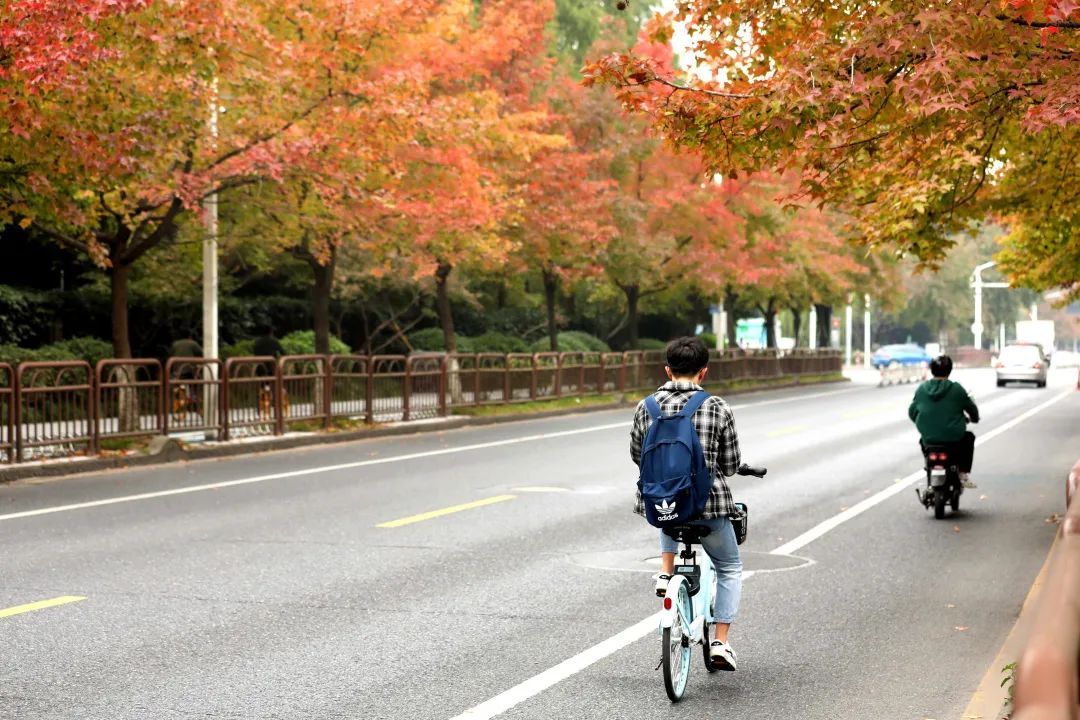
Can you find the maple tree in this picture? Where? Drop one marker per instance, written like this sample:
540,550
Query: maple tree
913,118
138,153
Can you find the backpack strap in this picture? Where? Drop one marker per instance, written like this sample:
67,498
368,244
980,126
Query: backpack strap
653,408
694,403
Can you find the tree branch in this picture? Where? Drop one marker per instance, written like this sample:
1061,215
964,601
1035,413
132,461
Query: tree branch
1062,24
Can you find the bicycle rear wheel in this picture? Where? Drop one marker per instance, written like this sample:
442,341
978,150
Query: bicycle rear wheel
676,659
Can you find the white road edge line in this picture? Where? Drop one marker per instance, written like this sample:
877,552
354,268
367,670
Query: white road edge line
538,683
360,463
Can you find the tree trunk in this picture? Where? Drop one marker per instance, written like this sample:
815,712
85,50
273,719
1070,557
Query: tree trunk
824,325
127,401
442,305
633,293
769,311
119,278
730,298
324,285
796,318
551,289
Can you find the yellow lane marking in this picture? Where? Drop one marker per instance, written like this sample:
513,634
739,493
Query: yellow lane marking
541,489
787,431
40,605
445,511
867,411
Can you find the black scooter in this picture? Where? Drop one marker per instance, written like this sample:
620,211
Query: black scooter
942,480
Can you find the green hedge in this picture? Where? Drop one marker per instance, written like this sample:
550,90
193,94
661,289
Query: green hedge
650,344
89,349
302,342
573,341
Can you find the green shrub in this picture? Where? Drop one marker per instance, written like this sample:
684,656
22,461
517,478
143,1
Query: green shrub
495,342
428,340
650,344
573,341
709,339
89,349
431,340
302,342
244,348
83,348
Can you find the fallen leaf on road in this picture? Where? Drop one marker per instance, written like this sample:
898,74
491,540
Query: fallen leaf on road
950,605
843,508
1054,519
982,497
956,528
960,628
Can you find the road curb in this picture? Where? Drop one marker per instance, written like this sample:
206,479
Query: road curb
988,702
81,466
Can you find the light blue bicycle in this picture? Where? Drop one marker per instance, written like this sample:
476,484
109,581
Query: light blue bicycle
688,605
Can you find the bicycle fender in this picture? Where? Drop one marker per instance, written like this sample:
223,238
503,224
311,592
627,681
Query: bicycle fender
667,616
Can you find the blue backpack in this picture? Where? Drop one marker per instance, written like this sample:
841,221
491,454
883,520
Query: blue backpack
675,481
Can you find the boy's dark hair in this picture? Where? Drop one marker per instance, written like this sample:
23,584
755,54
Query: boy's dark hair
687,356
941,366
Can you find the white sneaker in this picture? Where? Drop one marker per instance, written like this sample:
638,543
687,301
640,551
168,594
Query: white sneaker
661,584
721,656
966,481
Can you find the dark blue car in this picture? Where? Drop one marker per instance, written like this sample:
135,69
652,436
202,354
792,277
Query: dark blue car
907,354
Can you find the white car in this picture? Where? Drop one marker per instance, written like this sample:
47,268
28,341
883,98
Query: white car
1022,363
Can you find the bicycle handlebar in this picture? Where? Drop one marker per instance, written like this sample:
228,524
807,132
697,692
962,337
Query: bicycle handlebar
745,469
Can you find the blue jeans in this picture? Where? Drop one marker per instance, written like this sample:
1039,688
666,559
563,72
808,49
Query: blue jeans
720,545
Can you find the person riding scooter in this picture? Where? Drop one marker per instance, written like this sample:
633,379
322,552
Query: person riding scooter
941,410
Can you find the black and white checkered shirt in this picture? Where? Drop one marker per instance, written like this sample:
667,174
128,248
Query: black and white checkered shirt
715,427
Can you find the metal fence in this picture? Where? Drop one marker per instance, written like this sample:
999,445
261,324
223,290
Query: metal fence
1048,671
68,408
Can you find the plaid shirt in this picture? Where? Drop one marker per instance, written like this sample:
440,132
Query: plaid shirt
715,427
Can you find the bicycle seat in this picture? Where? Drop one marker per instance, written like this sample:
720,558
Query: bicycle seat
687,533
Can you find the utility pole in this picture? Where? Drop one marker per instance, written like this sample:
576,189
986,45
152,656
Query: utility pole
210,278
813,327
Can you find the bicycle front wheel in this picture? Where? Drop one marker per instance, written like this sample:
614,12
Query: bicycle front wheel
676,658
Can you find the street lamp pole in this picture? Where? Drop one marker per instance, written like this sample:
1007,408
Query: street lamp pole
978,284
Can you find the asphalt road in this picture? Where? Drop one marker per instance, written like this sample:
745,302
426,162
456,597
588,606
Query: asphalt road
510,578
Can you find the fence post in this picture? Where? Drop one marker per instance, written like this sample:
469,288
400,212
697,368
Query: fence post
507,389
444,365
533,376
226,407
558,374
328,390
369,392
94,378
279,396
16,409
407,386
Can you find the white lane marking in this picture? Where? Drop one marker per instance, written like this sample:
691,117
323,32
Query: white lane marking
538,683
351,465
902,484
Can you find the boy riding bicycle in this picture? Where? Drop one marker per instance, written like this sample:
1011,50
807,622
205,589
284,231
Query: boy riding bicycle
687,366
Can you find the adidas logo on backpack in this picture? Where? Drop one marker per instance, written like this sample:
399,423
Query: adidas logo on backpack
675,481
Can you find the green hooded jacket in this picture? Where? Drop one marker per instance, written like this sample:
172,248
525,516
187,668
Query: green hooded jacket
938,410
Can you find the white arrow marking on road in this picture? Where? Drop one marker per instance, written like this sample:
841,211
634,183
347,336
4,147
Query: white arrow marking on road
538,683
